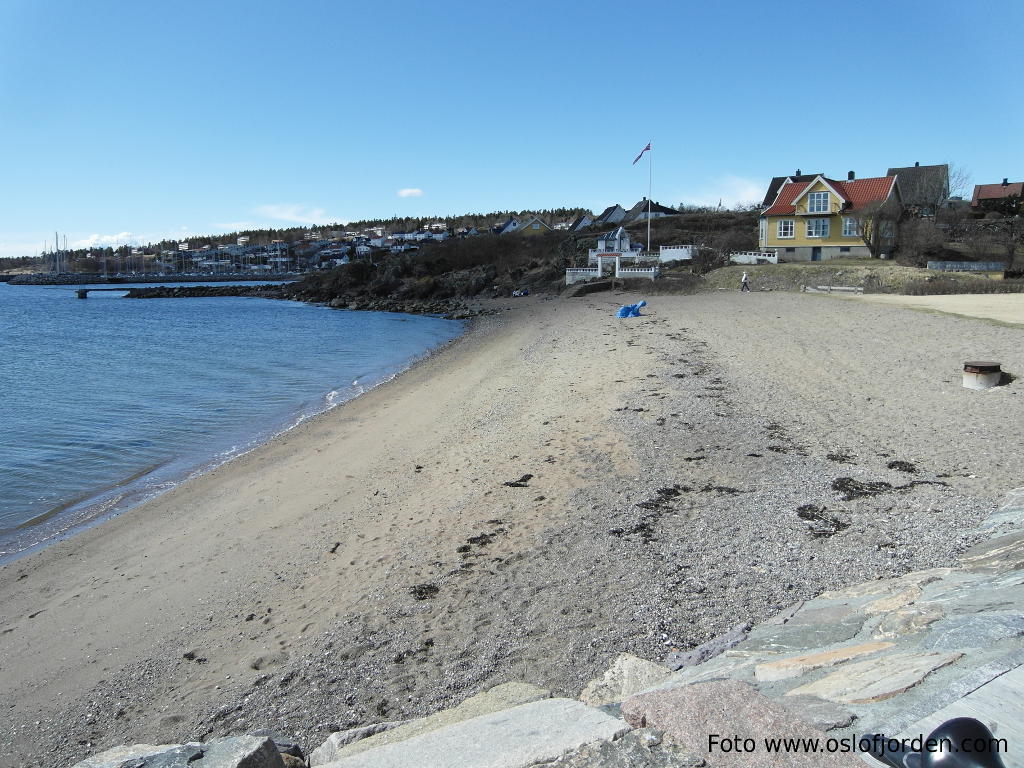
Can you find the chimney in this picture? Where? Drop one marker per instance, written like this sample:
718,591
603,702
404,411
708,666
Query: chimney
797,171
850,176
917,165
1004,182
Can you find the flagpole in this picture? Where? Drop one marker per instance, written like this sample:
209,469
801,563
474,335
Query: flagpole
650,175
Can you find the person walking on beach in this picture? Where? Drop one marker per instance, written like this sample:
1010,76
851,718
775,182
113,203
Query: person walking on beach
744,283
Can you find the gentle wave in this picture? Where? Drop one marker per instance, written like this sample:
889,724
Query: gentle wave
144,395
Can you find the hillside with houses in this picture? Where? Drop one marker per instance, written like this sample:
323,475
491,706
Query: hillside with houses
915,215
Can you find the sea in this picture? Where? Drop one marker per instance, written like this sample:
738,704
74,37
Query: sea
107,402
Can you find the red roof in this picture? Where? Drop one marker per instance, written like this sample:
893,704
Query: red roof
860,192
997,191
784,202
855,194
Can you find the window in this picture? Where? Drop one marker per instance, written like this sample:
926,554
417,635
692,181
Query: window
535,225
850,228
845,249
785,228
817,227
762,231
817,202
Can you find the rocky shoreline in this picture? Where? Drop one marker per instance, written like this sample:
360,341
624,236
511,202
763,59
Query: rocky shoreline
98,278
893,656
453,309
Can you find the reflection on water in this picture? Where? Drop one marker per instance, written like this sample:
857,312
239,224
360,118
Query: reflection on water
106,402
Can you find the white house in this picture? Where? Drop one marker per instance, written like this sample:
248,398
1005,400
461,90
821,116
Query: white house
582,221
510,226
613,214
612,244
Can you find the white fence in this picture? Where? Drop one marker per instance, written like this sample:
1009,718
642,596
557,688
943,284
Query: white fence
676,252
754,257
643,273
967,266
581,275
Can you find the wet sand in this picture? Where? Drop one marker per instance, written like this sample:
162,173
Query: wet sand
375,564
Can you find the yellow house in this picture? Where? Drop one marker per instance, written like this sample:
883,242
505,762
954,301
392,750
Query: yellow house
818,219
534,226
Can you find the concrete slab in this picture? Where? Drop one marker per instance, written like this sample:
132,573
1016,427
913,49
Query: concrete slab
512,738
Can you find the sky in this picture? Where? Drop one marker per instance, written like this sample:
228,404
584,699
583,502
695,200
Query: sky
128,122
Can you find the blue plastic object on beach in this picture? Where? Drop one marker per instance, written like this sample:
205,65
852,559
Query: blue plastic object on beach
631,310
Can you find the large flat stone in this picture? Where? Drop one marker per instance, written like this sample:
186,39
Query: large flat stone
895,601
538,732
1005,553
794,666
117,755
330,750
826,715
233,752
695,715
876,679
642,748
811,628
494,700
908,621
627,675
975,631
887,586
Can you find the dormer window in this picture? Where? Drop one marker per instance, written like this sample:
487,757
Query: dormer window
817,202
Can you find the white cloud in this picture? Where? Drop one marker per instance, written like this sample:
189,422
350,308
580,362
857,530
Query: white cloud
297,214
730,190
410,192
94,241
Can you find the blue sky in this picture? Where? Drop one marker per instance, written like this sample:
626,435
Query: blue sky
132,121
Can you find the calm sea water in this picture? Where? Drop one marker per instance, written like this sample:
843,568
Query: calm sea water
109,401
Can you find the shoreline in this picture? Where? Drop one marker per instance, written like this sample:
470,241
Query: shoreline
668,458
97,506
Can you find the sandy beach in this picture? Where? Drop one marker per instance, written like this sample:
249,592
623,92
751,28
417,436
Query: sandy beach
1002,307
671,476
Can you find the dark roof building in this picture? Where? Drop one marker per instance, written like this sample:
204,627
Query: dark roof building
639,212
924,188
1005,197
613,214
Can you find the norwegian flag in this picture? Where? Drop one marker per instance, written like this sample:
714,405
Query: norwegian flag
642,153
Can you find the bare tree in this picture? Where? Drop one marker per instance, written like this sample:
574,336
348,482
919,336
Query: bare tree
979,244
919,239
959,181
876,225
